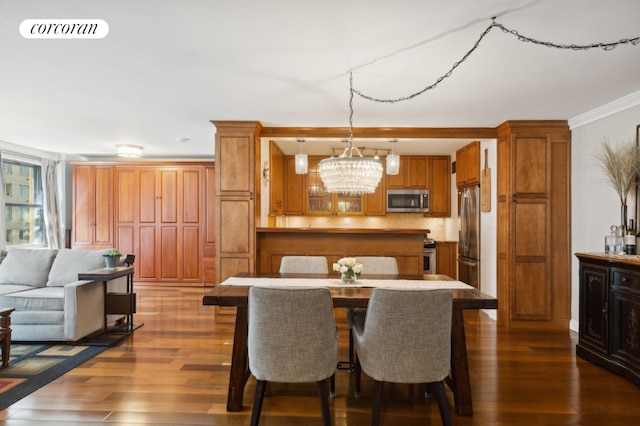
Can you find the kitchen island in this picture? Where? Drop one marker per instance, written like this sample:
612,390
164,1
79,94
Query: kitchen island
406,245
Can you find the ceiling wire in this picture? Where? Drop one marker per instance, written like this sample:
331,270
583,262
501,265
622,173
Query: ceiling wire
602,45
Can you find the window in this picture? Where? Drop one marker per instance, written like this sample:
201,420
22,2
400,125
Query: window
24,210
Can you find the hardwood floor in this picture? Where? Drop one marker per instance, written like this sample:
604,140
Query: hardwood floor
174,371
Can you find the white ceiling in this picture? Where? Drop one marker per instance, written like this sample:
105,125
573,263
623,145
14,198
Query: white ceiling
168,67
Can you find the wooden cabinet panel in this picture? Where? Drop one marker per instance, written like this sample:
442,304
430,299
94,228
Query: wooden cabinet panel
168,252
234,161
137,201
126,196
468,165
191,256
237,206
398,181
235,230
93,189
147,195
418,177
375,204
294,188
533,241
104,206
190,203
530,299
147,259
413,174
439,186
446,259
168,196
530,166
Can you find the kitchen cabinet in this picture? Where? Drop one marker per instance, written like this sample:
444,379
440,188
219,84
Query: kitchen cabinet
468,165
320,202
439,186
294,188
609,303
293,194
376,204
237,196
413,174
93,206
534,224
446,258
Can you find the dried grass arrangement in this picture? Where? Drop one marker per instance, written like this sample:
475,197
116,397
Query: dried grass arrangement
621,164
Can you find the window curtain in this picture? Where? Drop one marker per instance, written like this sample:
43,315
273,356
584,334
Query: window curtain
3,231
51,209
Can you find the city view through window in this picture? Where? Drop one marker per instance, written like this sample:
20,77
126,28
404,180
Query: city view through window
24,213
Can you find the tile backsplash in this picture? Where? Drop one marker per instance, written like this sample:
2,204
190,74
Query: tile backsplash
441,229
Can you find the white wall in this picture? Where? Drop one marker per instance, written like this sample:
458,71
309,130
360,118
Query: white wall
594,203
488,228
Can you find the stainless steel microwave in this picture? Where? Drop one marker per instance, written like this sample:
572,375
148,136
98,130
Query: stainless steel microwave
407,200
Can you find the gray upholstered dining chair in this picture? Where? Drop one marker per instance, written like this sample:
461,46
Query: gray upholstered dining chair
304,265
292,339
371,265
405,338
378,265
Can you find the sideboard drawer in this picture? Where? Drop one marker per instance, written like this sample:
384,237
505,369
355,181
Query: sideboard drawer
625,280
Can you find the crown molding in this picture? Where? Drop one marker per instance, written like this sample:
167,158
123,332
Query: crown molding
605,110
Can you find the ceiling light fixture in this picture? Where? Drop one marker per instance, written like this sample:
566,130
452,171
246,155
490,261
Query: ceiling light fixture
349,174
129,151
302,162
393,160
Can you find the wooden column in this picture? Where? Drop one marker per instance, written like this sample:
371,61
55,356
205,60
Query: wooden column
237,205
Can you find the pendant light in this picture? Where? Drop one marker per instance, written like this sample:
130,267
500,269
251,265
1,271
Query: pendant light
350,173
393,160
301,161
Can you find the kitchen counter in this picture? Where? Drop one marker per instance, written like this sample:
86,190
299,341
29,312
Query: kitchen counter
406,245
343,230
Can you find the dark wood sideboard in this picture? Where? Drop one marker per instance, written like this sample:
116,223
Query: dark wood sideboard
610,312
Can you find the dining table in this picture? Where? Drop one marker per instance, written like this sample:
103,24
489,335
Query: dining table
234,292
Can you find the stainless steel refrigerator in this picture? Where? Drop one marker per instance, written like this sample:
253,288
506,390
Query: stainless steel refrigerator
469,236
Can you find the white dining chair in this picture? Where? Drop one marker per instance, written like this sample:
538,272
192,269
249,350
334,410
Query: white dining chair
304,265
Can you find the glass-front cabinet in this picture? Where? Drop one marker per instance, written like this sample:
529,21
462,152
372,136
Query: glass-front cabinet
320,202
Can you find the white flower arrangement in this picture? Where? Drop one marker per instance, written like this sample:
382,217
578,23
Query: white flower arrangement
348,267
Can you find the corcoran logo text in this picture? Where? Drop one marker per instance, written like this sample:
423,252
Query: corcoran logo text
64,28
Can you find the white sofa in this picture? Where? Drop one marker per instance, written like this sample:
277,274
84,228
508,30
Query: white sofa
50,303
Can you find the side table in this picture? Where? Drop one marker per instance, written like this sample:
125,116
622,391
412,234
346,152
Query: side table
5,334
115,303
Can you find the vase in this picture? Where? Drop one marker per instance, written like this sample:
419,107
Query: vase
111,262
347,278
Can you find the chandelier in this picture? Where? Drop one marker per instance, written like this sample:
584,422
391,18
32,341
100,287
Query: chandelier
348,173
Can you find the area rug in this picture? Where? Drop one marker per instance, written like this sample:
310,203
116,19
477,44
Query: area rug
32,366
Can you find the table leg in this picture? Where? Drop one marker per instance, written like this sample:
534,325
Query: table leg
460,383
6,347
239,361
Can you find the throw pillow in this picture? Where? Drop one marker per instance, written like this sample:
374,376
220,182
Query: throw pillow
27,266
70,262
